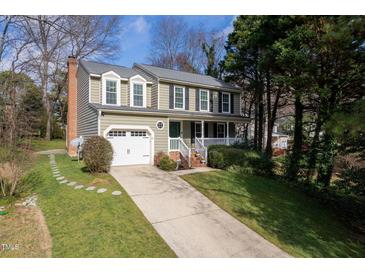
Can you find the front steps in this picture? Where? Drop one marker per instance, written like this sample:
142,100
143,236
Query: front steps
197,160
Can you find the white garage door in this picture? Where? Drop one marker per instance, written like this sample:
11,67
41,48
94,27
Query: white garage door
131,147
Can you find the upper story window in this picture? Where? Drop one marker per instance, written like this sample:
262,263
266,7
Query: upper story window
110,88
179,97
138,91
138,95
226,98
204,100
111,92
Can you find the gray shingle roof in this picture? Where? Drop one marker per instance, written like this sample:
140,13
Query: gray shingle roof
124,72
185,76
100,68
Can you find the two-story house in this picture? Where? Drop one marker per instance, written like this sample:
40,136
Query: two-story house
146,110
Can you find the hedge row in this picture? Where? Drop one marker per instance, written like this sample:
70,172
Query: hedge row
223,157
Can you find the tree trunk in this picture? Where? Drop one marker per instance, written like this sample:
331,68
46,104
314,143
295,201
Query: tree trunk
260,136
327,160
314,148
296,154
49,122
256,123
270,118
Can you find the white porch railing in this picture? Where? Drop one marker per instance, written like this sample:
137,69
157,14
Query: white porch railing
219,141
177,144
174,144
201,144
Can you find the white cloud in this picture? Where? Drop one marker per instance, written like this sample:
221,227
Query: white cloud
140,25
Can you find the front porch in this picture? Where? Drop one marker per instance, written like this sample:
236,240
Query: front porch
189,140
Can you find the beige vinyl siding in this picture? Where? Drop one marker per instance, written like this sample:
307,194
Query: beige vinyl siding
87,117
164,95
154,95
95,90
161,136
124,93
165,101
237,105
192,98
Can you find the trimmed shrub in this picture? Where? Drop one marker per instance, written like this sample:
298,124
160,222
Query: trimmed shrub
216,159
167,164
97,154
252,161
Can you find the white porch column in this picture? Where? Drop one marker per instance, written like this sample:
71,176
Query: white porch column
202,128
227,133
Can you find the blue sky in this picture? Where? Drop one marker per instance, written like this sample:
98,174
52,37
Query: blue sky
136,35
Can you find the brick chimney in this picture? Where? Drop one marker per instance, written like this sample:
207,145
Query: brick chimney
72,105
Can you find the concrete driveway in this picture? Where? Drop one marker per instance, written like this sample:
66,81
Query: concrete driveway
189,222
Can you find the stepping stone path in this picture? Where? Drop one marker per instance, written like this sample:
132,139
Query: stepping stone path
62,180
101,190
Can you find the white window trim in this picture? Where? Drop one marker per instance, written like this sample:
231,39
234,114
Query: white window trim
115,77
224,130
229,102
183,107
200,100
137,79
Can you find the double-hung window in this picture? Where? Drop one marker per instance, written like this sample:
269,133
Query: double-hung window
226,98
111,92
204,100
179,97
138,95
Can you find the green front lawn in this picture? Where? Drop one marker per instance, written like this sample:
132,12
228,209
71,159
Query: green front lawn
87,224
41,144
287,217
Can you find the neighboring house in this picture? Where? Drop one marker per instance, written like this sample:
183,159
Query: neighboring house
279,139
146,110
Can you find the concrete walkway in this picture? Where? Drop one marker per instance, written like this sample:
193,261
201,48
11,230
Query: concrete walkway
193,170
190,223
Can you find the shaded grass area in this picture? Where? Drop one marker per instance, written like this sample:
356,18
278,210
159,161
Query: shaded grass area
40,144
87,224
285,216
